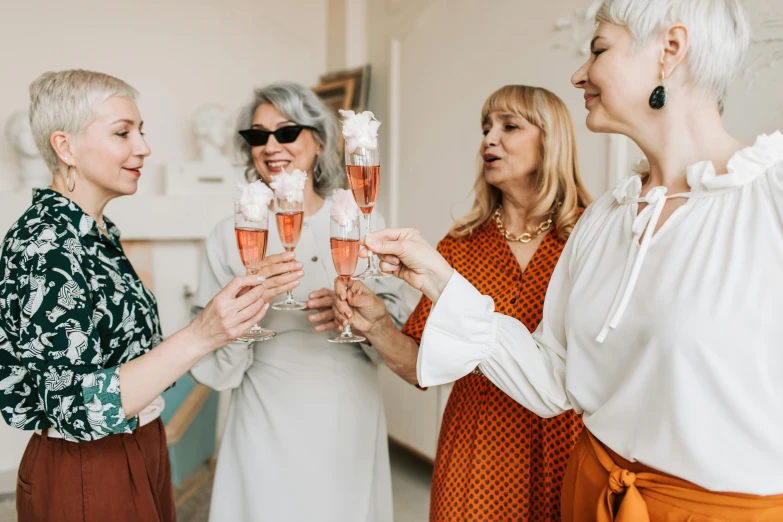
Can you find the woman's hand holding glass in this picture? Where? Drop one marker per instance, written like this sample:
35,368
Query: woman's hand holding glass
357,306
244,301
406,255
322,301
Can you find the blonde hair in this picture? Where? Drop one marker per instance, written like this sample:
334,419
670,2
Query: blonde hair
719,35
63,101
557,177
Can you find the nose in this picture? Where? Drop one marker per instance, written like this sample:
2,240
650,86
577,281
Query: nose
141,148
272,145
491,138
580,77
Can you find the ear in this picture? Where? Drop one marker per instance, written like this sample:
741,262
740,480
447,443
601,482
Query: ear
675,48
61,142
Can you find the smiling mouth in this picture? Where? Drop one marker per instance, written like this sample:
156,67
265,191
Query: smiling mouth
277,164
591,97
136,172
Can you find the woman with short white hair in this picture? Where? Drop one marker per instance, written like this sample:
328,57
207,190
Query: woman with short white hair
662,319
82,359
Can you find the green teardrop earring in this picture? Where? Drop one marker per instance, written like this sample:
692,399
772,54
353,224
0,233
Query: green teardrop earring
659,95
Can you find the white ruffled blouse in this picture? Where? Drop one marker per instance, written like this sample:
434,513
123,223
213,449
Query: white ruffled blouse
670,344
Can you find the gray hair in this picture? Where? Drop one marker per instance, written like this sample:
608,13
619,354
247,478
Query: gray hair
719,34
300,105
64,100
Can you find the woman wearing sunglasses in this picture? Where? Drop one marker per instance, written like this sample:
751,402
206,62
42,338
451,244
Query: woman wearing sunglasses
305,437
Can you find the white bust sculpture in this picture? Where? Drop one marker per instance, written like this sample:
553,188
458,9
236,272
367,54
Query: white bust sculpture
212,127
34,172
213,171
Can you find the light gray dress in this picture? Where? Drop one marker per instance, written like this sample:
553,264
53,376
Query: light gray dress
305,436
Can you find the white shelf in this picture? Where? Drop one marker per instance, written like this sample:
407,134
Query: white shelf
145,216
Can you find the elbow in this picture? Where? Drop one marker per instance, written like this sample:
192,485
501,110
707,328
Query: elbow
217,383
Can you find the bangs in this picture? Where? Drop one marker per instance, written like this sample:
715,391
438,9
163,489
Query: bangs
511,99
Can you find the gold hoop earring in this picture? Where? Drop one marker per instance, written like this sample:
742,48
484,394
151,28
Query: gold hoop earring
70,183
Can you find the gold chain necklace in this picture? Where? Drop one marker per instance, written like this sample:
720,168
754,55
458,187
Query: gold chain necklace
527,237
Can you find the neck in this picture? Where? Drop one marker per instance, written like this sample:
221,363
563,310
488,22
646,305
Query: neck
514,210
91,200
682,137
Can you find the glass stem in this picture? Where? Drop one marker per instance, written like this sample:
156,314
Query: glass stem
256,327
370,257
346,332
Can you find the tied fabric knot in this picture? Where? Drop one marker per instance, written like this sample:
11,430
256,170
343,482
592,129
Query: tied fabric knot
643,227
631,508
655,200
620,479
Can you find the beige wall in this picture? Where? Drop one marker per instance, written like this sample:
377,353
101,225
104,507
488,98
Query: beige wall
180,54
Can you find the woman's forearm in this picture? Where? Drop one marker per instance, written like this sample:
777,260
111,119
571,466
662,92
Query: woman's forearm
146,377
397,350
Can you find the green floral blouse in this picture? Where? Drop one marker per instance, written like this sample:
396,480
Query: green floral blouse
72,310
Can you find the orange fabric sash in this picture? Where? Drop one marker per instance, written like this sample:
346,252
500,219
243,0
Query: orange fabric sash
608,488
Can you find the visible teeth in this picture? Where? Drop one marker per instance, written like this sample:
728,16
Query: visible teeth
275,164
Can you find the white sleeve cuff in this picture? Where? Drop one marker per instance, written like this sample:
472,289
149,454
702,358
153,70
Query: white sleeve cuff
459,334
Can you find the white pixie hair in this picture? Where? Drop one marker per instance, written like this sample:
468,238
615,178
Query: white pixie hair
63,101
719,34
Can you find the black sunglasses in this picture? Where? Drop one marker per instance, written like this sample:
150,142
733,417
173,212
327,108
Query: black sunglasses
258,137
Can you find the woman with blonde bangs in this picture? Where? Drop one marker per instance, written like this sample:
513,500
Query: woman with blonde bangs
497,460
662,319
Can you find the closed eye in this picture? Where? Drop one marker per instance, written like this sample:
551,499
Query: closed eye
598,51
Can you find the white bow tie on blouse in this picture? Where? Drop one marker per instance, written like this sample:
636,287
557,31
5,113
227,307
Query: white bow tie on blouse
701,178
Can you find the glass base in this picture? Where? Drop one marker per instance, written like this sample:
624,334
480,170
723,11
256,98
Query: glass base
289,305
368,275
256,334
350,338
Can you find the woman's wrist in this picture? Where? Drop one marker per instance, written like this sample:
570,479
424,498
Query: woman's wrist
441,275
195,343
381,330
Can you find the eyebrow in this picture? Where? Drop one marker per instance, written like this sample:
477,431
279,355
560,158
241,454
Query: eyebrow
278,125
504,117
129,122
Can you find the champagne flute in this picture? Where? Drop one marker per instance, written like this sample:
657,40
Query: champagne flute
344,241
363,166
252,240
289,216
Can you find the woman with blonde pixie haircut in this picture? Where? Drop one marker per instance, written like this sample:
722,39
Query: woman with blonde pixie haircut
529,195
82,359
662,320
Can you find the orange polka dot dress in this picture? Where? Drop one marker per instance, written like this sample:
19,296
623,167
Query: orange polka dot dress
496,460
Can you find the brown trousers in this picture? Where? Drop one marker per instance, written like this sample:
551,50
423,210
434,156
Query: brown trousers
119,478
601,486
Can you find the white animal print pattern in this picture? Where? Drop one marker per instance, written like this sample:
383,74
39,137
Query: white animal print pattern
72,310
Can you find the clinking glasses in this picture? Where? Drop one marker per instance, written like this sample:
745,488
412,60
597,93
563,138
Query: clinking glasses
258,137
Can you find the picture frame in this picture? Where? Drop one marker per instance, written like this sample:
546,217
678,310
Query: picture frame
336,94
361,77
